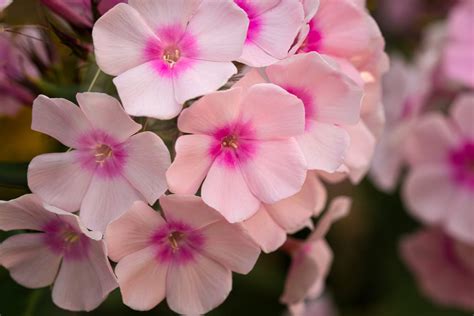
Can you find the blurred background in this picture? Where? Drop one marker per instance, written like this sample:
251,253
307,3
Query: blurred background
367,277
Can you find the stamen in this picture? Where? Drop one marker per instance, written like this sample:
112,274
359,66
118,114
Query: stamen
175,238
70,237
171,56
230,141
102,153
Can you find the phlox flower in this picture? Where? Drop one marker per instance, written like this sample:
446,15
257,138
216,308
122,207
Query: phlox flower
330,99
243,147
109,167
169,51
439,188
442,266
187,256
322,306
270,225
269,38
312,258
4,4
59,251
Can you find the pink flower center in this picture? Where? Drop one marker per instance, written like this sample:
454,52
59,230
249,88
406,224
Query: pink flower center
462,164
233,144
308,102
101,154
255,23
313,41
63,239
177,242
171,55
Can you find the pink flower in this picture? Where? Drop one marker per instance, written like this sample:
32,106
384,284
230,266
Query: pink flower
330,99
269,226
243,145
4,4
167,52
458,59
443,267
108,169
268,39
60,251
312,259
440,185
186,257
322,306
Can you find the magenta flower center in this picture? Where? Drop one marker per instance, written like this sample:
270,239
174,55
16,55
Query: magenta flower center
313,41
462,164
255,23
171,55
63,239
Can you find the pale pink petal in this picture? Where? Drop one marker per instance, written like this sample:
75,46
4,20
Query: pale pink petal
251,77
145,92
60,119
229,245
273,112
4,4
191,164
324,146
120,38
226,191
25,212
105,113
277,171
211,112
220,28
265,231
202,77
460,221
198,287
189,209
142,279
166,12
132,231
29,261
148,159
82,285
295,212
310,8
462,112
254,56
338,209
429,193
59,179
105,200
431,140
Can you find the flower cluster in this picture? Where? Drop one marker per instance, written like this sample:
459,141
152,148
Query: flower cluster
266,99
430,133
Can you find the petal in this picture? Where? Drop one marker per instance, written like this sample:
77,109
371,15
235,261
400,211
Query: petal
273,112
265,231
197,287
324,146
148,159
211,112
120,39
429,192
25,212
142,279
202,77
226,191
189,209
106,113
145,92
191,164
60,119
230,246
462,112
220,28
29,261
460,222
339,208
254,56
82,285
132,231
277,171
105,200
59,179
251,77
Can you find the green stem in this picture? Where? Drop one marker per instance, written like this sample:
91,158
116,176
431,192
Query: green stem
94,80
32,302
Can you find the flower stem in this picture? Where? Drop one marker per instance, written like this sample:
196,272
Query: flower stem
94,80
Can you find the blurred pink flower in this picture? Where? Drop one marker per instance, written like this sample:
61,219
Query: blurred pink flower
330,100
458,59
312,259
186,257
4,4
167,52
439,188
269,226
322,306
61,251
268,39
108,169
443,267
400,15
243,146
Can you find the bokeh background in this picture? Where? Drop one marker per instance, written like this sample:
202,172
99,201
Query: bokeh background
367,277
